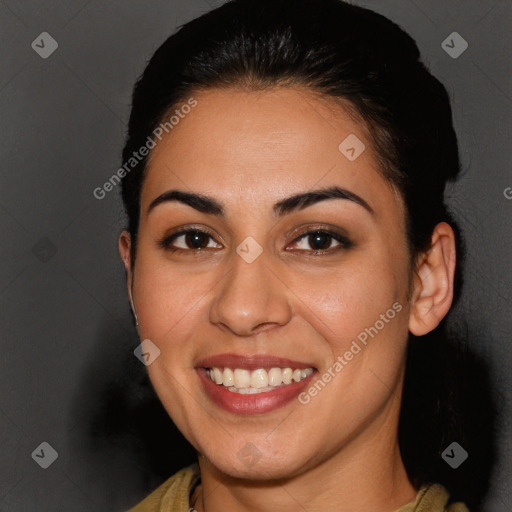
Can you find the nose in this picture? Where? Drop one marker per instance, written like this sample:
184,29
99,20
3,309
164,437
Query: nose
251,298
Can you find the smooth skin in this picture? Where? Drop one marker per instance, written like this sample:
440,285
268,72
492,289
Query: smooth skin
248,150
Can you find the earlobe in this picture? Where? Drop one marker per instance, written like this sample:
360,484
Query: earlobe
433,287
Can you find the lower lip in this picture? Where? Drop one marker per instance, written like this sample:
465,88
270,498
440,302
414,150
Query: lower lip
257,403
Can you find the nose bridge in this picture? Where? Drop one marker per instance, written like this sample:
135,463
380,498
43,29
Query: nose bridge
251,295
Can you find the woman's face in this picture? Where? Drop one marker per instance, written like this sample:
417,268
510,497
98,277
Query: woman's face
248,291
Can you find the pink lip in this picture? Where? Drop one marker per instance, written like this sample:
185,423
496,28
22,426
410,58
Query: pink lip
251,404
250,362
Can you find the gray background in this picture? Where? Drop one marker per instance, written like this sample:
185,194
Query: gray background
66,325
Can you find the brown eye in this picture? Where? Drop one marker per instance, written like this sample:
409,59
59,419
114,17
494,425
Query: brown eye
187,241
196,240
321,241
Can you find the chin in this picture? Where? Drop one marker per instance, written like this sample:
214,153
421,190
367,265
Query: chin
249,463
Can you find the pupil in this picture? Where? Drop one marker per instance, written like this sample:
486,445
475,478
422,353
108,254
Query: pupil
319,238
195,239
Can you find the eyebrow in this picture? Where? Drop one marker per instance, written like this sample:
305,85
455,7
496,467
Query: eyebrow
211,206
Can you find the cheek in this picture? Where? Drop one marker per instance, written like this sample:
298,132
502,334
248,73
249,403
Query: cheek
169,298
342,303
360,313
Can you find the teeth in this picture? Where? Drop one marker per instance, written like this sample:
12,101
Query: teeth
287,376
228,378
242,378
275,377
258,381
217,375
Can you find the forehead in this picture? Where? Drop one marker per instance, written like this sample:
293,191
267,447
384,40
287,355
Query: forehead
263,146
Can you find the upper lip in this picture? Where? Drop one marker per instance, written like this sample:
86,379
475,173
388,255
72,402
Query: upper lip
250,362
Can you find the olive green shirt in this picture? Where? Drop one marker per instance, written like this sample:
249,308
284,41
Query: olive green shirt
174,496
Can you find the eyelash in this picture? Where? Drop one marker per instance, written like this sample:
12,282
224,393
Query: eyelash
344,242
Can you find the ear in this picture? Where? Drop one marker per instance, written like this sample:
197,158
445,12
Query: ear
433,282
125,243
